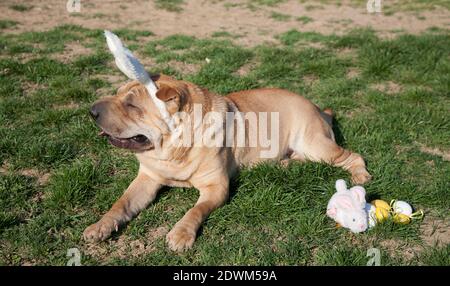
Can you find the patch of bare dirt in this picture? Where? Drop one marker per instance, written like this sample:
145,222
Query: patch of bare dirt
395,246
115,81
353,73
445,155
70,105
203,18
388,87
41,177
435,231
183,67
346,53
246,68
124,247
364,109
114,78
314,45
148,61
24,57
310,79
29,263
71,51
30,87
4,168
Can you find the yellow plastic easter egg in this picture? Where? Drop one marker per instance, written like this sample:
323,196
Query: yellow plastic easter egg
401,218
381,204
381,214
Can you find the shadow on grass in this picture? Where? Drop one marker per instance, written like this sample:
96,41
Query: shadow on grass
339,137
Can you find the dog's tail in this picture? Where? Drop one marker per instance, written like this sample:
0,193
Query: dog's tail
329,111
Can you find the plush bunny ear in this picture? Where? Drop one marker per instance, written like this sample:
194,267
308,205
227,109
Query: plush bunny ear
343,202
341,186
359,194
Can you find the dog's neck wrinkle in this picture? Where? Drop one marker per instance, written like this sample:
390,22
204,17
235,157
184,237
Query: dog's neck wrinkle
209,102
232,106
195,95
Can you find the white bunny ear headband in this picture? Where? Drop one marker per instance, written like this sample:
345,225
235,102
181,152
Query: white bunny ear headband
132,68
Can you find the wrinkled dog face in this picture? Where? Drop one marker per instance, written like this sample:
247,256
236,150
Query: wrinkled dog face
130,119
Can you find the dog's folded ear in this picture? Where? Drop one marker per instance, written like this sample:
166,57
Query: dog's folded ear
173,97
167,94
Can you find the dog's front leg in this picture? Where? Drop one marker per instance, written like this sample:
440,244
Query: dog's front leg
141,192
212,196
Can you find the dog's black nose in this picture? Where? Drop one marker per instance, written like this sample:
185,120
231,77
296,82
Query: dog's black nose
94,111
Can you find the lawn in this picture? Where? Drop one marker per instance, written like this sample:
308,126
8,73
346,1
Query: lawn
392,103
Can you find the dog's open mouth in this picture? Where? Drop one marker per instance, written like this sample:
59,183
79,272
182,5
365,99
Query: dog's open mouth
138,143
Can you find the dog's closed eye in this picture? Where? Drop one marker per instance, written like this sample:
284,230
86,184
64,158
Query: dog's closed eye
130,105
129,101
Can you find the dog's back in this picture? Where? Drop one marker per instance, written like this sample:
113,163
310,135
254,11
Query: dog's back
297,117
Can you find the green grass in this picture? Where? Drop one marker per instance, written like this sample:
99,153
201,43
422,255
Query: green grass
389,7
170,5
21,7
267,2
304,19
222,34
280,16
292,37
5,24
275,215
392,7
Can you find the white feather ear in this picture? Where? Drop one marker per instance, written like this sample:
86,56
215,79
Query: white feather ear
132,68
341,186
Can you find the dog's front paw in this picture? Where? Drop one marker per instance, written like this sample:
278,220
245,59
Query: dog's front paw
180,238
361,176
100,230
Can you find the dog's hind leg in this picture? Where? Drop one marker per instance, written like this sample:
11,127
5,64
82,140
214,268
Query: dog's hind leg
138,195
318,145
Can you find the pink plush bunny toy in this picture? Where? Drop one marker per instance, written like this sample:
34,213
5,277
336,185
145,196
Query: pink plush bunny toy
346,207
